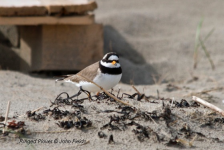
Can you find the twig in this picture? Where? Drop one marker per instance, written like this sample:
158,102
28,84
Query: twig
172,102
207,104
197,45
182,141
210,33
136,89
200,43
158,97
37,109
207,53
191,142
153,120
139,93
34,110
105,91
6,116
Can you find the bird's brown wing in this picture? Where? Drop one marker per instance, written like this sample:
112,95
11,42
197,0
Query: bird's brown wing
89,72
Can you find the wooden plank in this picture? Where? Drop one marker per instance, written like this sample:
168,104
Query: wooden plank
72,20
23,11
60,47
68,7
22,8
43,7
66,47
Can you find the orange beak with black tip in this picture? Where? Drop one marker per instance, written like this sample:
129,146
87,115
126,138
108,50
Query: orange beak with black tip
113,62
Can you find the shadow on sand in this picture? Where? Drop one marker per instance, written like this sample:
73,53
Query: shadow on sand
135,69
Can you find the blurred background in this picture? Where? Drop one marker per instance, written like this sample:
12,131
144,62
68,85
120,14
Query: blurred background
158,41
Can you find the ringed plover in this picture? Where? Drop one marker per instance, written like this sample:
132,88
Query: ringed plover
106,73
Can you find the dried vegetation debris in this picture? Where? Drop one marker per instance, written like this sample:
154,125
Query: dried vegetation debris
66,119
34,116
168,125
101,134
13,127
172,123
80,123
2,118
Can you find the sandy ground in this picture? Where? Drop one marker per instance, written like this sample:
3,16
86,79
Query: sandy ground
153,38
159,36
30,92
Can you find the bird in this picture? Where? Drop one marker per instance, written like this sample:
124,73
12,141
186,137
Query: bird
106,73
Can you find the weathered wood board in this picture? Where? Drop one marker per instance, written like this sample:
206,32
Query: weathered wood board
45,7
69,6
60,47
38,20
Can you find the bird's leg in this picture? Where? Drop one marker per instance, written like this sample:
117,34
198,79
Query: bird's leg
76,95
112,90
87,93
98,94
118,93
79,92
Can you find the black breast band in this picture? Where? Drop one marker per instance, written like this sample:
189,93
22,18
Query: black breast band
107,70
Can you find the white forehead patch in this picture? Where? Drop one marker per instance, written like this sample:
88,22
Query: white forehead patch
104,57
113,57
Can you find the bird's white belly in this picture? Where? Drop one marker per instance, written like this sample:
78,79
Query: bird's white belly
106,81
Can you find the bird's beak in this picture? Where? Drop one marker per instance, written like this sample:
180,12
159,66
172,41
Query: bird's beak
113,62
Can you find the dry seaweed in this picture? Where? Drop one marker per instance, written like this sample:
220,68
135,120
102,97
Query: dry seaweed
2,118
172,128
80,124
13,125
101,134
34,116
111,139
